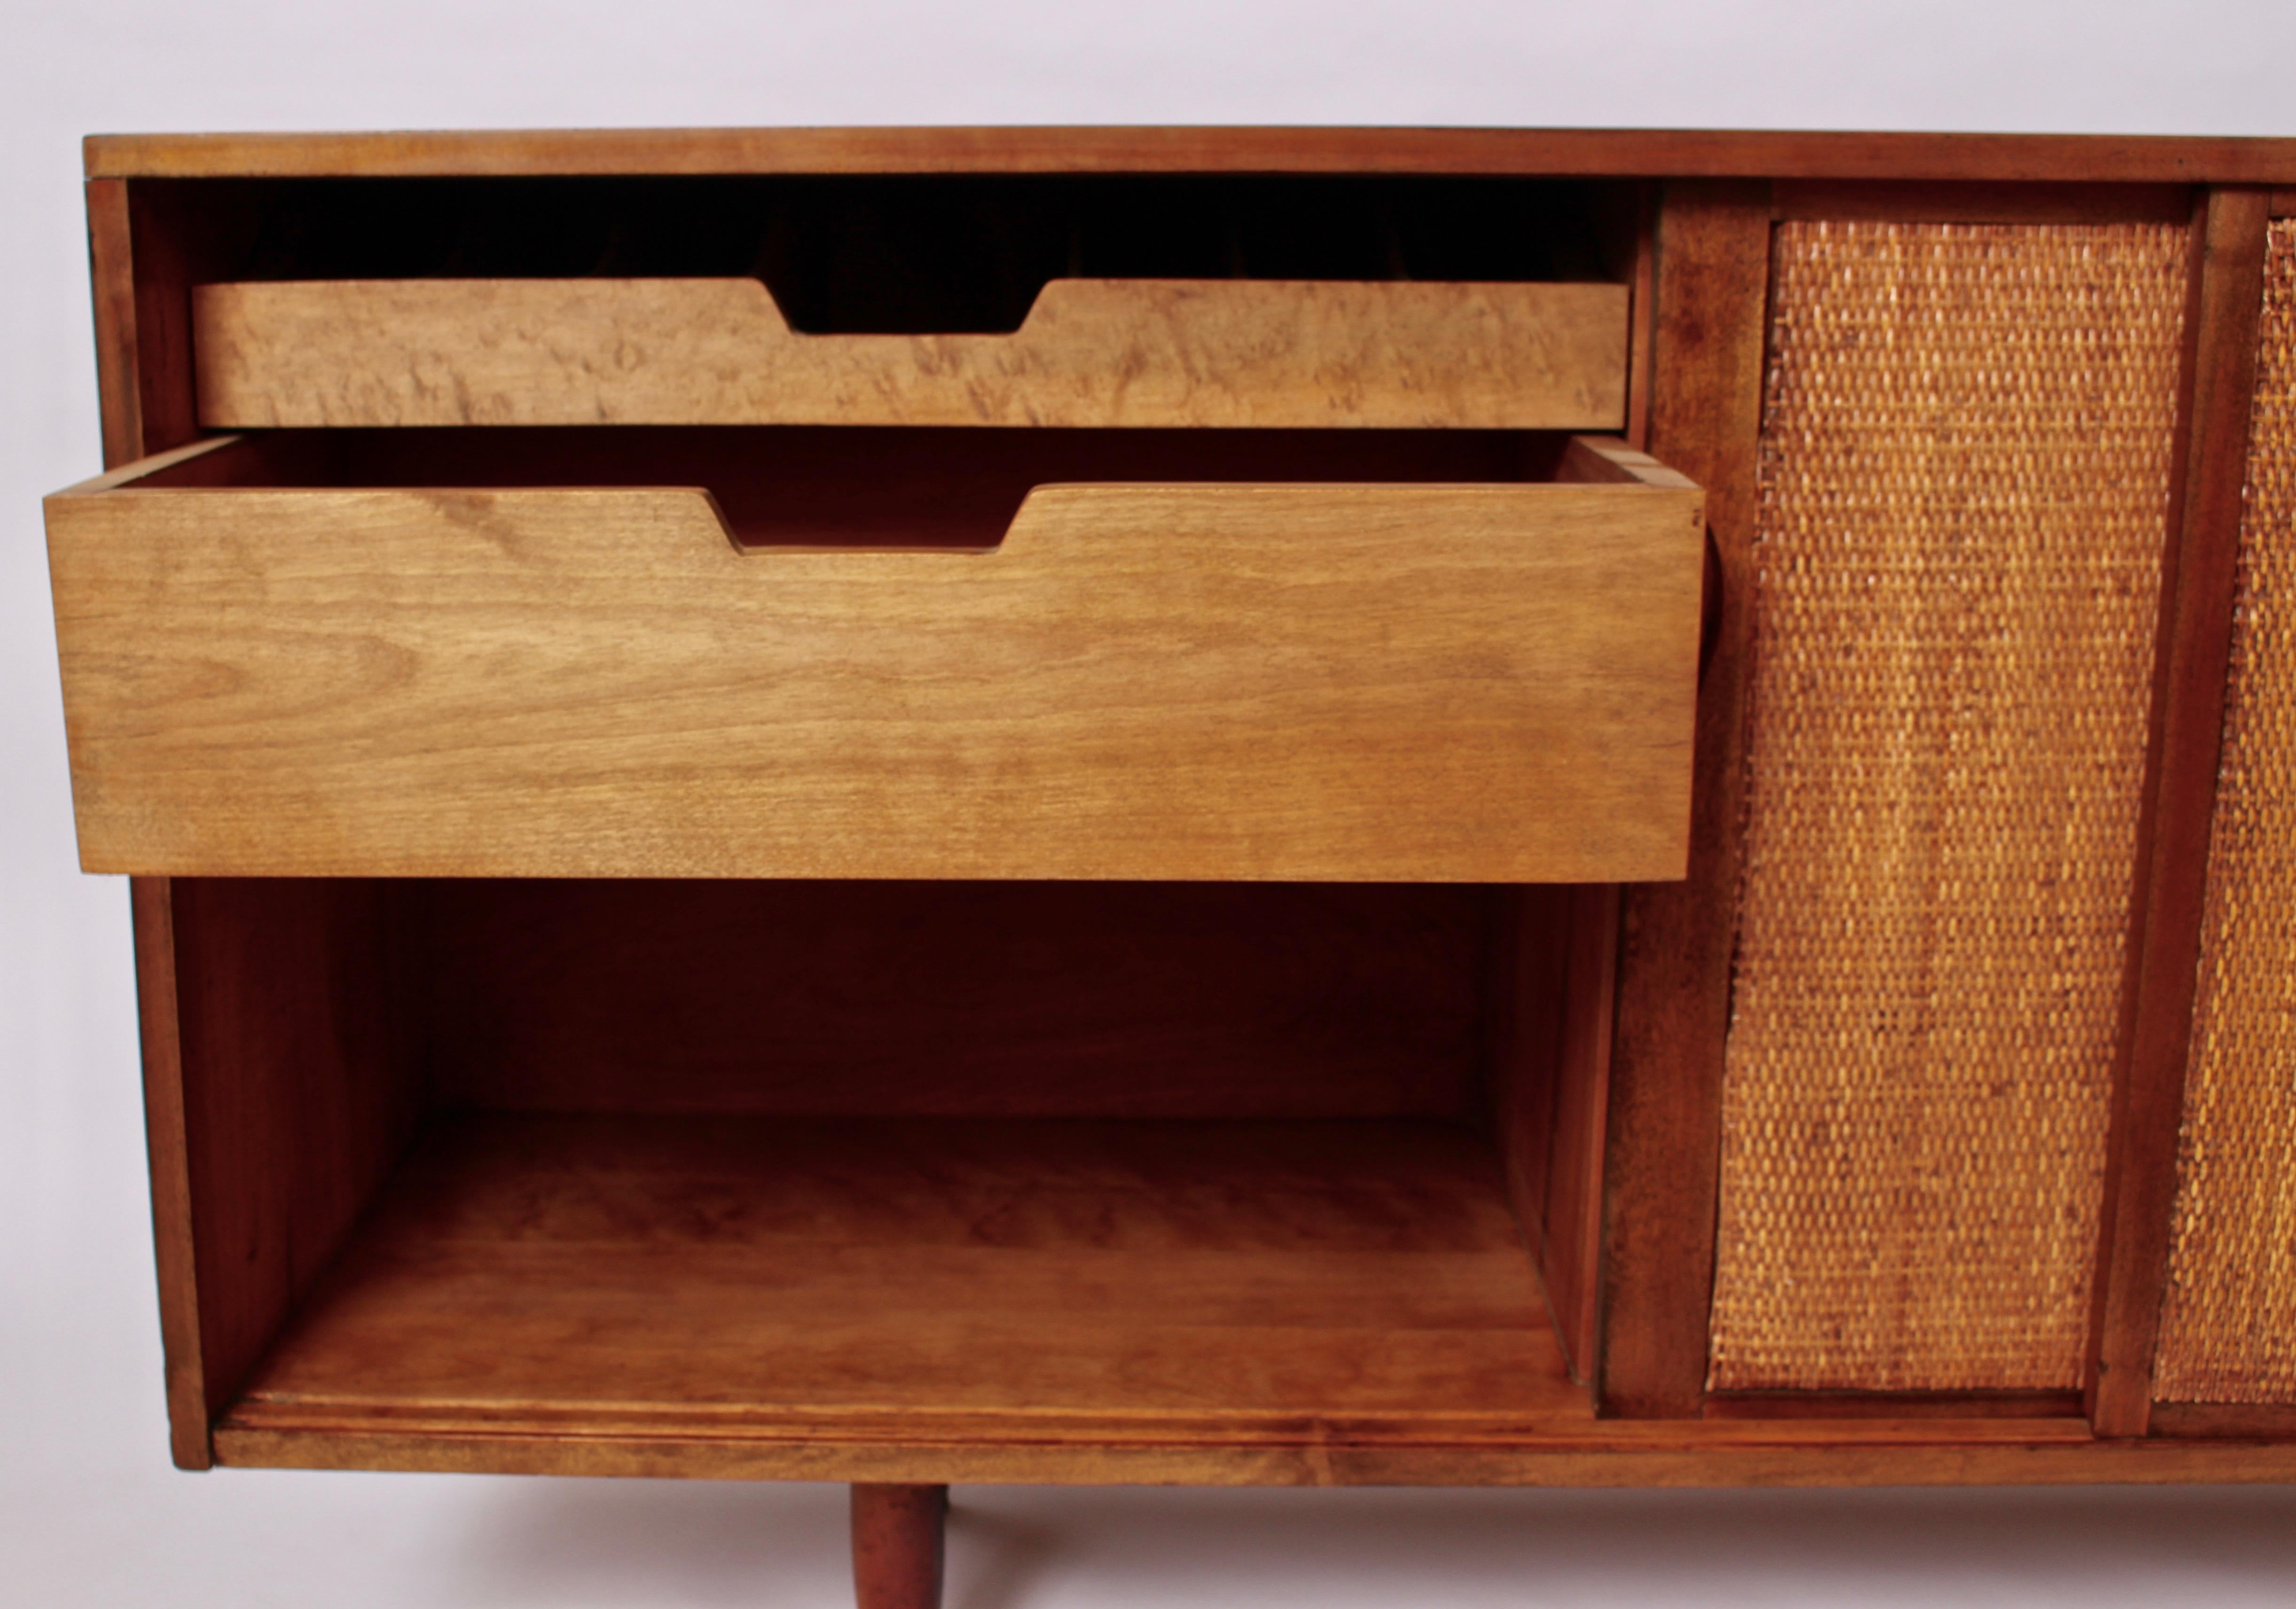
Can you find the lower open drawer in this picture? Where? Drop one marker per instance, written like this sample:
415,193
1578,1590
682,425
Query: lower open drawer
1429,656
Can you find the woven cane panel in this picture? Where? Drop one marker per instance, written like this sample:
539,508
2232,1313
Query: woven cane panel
2228,1326
1964,478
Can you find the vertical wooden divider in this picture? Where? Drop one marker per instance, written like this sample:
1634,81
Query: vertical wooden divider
2194,649
1641,275
1661,1169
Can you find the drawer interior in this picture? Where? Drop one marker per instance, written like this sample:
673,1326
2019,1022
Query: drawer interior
784,486
927,300
774,1160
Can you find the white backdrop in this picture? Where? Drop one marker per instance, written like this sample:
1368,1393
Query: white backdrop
90,1513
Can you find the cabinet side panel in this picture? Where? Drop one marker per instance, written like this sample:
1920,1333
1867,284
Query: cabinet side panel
1529,962
112,276
152,900
2228,1322
1968,445
299,1092
1571,1251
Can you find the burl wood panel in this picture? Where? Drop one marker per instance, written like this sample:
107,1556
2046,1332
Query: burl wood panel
1014,999
1091,353
1377,683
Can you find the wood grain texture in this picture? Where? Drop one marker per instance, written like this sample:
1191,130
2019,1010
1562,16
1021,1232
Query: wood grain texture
1573,1246
112,276
1607,461
1664,1123
2188,724
1370,683
163,261
1527,967
2248,1421
980,1000
1093,352
954,999
1642,286
119,364
1554,976
1929,1453
1235,1282
297,1095
152,900
1625,153
899,1545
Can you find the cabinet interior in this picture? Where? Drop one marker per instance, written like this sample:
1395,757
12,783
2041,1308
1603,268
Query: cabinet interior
777,1155
921,254
852,487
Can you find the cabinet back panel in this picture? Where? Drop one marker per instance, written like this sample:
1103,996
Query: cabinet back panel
1022,999
2228,1323
1966,459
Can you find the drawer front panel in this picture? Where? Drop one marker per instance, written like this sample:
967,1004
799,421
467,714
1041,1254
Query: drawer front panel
1404,683
1965,468
2228,1322
1093,353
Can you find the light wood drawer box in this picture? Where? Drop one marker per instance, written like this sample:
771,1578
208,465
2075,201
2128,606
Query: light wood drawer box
1420,656
1091,352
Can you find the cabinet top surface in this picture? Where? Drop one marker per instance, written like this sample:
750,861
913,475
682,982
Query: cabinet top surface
1526,152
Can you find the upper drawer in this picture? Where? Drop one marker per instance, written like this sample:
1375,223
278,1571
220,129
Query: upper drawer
1093,352
293,657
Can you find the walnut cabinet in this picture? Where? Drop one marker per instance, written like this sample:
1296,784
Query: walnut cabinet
1210,805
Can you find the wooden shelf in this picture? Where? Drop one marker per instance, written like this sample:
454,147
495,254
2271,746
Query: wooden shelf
1187,1282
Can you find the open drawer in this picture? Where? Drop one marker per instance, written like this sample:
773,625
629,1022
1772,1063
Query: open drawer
1092,352
1416,656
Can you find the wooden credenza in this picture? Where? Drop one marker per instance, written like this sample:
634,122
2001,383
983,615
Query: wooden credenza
1204,805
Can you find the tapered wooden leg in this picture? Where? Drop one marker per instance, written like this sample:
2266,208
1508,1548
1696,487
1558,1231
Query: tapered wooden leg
897,1545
